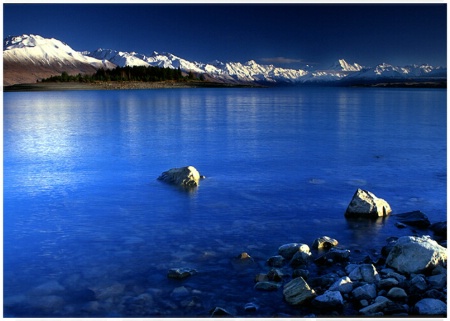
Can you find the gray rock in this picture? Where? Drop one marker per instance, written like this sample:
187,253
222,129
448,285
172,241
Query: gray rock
179,292
365,292
439,229
416,254
220,312
438,281
332,256
276,261
180,273
397,294
300,258
366,205
324,242
288,250
418,283
365,272
187,176
415,218
267,286
387,283
430,307
329,300
298,291
275,275
389,273
300,272
378,306
251,307
343,285
243,261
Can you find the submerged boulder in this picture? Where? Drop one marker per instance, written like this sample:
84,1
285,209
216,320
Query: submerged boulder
187,176
413,254
298,291
415,218
365,204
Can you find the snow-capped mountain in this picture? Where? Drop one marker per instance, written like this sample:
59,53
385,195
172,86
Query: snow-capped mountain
28,58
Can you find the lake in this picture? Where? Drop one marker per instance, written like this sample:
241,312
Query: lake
89,231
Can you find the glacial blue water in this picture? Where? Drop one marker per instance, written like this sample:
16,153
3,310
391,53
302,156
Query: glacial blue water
89,230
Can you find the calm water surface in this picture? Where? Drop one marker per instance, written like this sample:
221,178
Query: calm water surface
89,231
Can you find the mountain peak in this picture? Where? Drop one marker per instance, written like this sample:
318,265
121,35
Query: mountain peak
56,56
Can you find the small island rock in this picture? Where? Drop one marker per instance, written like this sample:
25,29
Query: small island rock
366,205
187,176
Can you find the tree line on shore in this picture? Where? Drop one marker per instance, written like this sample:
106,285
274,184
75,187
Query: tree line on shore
127,73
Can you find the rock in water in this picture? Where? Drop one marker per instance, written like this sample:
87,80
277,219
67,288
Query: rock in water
298,291
416,254
367,205
416,218
324,242
187,176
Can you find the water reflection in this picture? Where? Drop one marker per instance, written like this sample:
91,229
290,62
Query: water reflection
363,229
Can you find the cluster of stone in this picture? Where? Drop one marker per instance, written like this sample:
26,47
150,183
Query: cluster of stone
410,280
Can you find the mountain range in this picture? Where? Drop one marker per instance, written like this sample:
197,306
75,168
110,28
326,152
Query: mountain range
29,58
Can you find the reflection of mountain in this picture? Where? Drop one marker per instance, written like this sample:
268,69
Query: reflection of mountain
28,58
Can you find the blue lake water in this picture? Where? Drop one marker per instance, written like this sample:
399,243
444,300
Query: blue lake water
89,231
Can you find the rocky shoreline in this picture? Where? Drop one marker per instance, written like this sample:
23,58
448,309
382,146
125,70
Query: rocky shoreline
409,278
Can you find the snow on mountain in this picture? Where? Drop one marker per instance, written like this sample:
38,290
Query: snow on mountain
42,57
41,51
343,66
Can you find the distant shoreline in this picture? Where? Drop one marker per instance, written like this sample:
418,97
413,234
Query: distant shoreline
115,85
125,85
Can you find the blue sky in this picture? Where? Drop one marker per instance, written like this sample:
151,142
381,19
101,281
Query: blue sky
286,35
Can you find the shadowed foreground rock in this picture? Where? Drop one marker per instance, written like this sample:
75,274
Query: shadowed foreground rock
366,205
187,176
416,254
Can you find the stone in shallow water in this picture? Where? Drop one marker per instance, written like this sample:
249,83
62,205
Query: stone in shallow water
276,261
288,250
251,307
324,242
332,256
187,176
298,291
220,312
329,300
180,273
415,218
365,204
267,286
